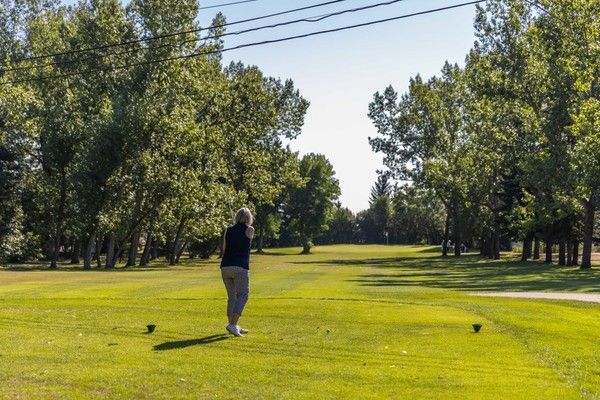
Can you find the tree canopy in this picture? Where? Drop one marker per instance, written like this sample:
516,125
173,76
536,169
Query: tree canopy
507,142
153,155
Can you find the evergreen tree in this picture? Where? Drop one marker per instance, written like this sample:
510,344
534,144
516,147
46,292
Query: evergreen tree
382,187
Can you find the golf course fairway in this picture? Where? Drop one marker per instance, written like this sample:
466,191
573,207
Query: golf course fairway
346,322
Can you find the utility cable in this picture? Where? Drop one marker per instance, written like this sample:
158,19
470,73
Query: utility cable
236,33
167,35
252,44
226,4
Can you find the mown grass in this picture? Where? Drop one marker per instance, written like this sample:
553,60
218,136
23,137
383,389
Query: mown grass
360,322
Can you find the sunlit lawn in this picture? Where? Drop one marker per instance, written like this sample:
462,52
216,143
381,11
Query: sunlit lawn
354,322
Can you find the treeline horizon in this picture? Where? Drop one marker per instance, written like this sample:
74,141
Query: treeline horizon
504,149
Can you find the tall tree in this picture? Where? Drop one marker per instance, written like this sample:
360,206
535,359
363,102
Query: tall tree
418,216
423,139
382,187
342,227
311,204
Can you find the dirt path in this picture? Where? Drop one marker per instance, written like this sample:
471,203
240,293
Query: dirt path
592,297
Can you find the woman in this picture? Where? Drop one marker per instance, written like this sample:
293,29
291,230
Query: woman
235,267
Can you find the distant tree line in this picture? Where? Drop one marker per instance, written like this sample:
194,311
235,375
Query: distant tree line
131,164
509,145
403,215
139,159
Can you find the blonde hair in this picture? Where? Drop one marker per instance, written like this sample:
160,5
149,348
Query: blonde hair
244,216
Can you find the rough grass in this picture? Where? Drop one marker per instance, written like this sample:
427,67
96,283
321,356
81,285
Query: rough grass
359,322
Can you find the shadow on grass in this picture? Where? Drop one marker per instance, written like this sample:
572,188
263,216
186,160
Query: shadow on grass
180,344
432,249
64,266
34,269
470,273
78,268
274,252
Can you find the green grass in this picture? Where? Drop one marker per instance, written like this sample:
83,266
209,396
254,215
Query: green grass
351,322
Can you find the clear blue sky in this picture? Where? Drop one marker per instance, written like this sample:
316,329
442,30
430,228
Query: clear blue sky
339,72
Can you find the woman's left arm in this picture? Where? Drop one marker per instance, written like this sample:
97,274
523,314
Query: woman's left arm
223,244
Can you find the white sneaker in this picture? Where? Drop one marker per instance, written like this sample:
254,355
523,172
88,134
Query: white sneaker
233,329
242,330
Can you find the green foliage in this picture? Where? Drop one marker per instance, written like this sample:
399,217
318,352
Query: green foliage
586,164
158,149
310,207
343,228
507,144
424,138
375,222
382,187
418,216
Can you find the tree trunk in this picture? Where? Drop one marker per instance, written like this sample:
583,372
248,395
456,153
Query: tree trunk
180,251
76,252
99,243
496,245
174,247
536,248
110,252
490,246
58,222
146,253
562,249
54,253
154,252
261,239
119,253
169,248
588,233
527,244
569,252
306,246
575,253
549,243
456,228
135,241
89,251
446,234
483,251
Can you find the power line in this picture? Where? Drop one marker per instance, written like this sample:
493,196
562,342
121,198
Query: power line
253,44
538,6
226,4
244,31
543,9
157,37
315,18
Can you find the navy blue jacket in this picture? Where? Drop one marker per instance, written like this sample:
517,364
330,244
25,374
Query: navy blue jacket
237,247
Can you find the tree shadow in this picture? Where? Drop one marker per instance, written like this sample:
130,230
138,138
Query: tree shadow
12,268
274,252
433,249
180,344
65,266
472,273
392,261
481,275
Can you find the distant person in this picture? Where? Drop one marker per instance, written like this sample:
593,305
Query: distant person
235,267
